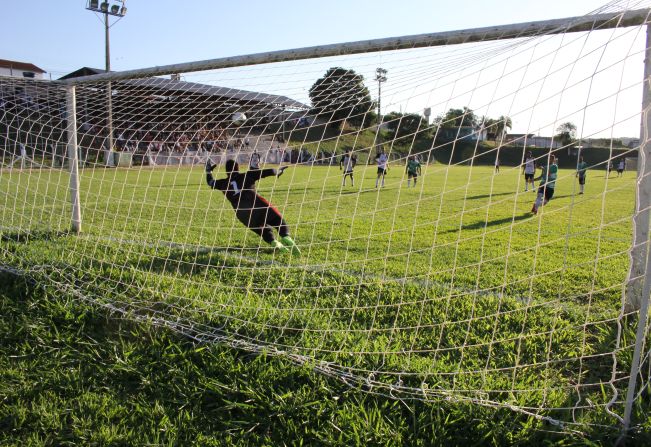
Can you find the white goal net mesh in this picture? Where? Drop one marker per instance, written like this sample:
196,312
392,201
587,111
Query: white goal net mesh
429,279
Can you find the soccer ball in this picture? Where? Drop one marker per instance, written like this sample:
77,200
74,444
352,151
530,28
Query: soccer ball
238,118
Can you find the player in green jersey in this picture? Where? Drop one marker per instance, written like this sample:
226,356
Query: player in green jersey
413,170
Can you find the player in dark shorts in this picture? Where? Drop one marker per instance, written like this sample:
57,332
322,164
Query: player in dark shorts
547,183
581,169
620,167
251,209
413,170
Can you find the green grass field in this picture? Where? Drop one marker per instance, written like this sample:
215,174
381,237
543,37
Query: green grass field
451,293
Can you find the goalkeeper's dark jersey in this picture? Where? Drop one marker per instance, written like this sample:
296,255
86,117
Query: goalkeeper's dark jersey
239,188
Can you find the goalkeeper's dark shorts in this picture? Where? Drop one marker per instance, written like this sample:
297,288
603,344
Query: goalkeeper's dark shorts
547,192
261,218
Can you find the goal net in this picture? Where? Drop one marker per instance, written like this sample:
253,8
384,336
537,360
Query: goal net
437,219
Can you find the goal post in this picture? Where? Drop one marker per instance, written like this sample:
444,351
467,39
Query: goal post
73,158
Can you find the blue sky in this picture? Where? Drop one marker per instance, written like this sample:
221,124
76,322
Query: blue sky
62,36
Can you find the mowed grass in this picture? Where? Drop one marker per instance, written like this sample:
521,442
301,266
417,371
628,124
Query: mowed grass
451,289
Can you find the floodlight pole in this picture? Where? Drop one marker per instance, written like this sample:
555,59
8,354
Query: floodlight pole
380,77
116,10
109,99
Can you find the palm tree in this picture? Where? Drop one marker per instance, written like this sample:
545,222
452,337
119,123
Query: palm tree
503,123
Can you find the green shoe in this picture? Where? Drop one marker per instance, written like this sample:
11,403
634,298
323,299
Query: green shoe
289,243
278,246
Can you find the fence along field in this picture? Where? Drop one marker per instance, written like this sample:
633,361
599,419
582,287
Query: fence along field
449,289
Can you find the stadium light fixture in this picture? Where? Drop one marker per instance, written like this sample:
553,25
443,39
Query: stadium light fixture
114,8
380,77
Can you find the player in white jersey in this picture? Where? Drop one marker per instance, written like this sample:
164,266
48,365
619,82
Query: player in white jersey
254,162
620,167
382,161
348,162
529,170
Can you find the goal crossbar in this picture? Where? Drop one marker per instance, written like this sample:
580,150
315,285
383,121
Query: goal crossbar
513,31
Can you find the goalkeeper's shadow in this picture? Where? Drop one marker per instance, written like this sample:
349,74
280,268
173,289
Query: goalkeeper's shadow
179,259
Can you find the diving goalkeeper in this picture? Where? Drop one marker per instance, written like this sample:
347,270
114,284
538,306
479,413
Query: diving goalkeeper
250,208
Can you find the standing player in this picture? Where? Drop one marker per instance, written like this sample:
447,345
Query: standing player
529,170
348,162
620,167
382,160
254,162
547,183
581,170
413,170
250,208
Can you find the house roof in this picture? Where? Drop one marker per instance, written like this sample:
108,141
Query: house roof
163,86
17,65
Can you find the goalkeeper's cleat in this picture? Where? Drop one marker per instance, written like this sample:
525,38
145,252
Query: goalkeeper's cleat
290,244
278,246
209,166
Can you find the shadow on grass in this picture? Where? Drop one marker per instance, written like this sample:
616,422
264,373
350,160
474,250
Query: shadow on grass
486,196
32,235
488,223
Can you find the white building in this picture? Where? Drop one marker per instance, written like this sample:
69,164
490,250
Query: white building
20,70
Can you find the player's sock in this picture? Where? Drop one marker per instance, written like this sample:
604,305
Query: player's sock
278,246
408,183
289,243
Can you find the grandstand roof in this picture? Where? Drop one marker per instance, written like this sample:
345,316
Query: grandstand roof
163,86
84,71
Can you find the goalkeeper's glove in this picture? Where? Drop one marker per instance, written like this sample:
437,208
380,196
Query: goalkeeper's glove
280,171
210,167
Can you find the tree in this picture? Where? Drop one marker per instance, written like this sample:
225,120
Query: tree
341,95
566,133
458,118
503,123
408,124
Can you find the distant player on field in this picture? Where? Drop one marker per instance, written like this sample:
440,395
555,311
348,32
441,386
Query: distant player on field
250,208
254,162
620,167
413,170
347,163
529,170
547,183
382,160
581,169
